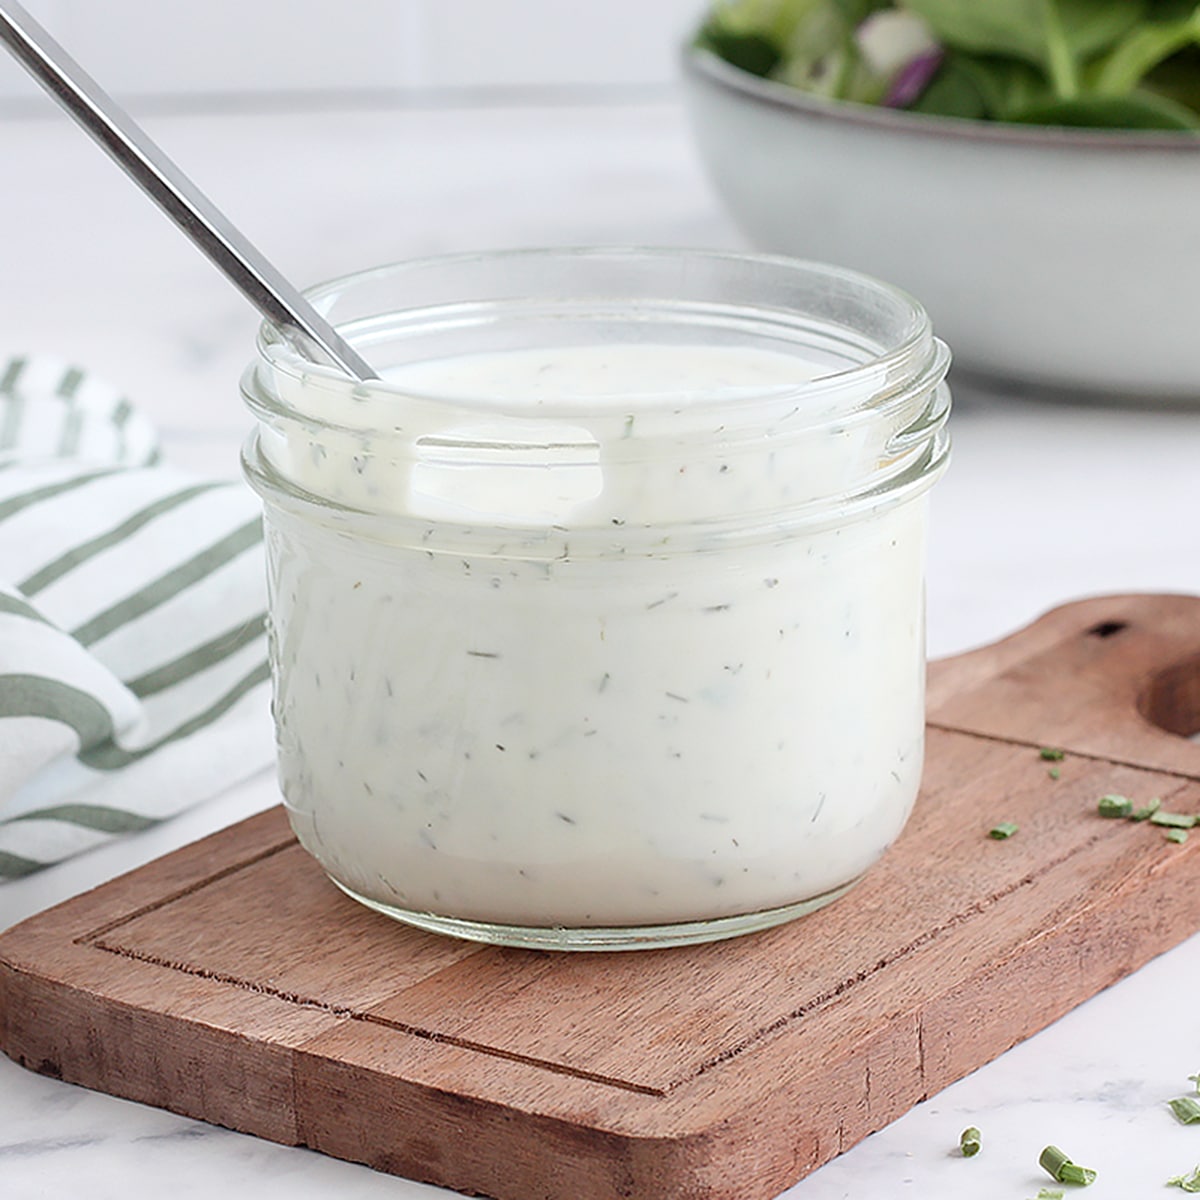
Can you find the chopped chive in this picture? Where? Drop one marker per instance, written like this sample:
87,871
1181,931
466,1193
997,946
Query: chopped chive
1143,814
1052,754
1050,1194
970,1143
1004,830
1186,1109
1173,820
1073,1173
1178,836
1189,1182
1060,1167
1054,773
1115,806
1196,1080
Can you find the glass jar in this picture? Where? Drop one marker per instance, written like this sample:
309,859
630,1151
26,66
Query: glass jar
598,622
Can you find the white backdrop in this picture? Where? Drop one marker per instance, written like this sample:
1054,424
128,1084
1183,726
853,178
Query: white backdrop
215,48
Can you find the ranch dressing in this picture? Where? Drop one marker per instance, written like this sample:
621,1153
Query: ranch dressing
541,667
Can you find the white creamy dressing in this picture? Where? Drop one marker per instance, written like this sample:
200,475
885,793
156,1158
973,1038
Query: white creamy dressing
521,723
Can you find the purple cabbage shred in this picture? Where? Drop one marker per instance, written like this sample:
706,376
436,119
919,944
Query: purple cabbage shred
913,78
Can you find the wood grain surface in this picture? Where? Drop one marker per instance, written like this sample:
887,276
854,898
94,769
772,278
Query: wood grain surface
230,981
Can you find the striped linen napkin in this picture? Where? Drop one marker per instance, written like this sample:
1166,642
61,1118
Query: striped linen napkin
133,672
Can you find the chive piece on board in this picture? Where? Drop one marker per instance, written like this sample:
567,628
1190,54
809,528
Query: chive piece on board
1196,1080
1189,1182
1060,1167
1115,806
1143,814
1178,836
1173,820
970,1142
1054,773
1050,1194
1004,830
1186,1109
1052,754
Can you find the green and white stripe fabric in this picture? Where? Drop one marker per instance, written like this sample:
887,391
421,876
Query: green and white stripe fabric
133,672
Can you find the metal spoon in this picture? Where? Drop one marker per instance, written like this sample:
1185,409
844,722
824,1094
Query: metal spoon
175,194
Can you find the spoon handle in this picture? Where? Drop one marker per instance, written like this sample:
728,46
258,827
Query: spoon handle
174,192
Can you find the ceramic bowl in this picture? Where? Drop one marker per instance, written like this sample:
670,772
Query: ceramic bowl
1048,258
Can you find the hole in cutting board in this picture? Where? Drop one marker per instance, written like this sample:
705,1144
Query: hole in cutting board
1107,629
1172,699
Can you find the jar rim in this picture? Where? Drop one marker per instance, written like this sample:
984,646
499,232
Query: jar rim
616,470
896,361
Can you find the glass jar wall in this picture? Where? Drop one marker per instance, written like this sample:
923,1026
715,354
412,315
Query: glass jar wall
598,621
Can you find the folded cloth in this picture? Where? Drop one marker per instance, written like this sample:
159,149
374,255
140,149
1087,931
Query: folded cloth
133,664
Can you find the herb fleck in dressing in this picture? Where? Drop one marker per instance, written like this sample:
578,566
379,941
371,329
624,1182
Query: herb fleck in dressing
598,622
527,736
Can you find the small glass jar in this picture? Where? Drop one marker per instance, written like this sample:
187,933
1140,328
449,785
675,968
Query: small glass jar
598,622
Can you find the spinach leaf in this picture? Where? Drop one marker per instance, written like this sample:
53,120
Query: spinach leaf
1125,64
1021,28
750,51
1178,79
982,87
1090,26
1056,35
855,12
1169,10
1143,49
823,58
777,20
1137,110
1007,85
952,92
762,36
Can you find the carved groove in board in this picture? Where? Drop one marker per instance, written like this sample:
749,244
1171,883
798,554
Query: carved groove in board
840,989
705,1073
1113,760
866,973
779,1023
337,1010
92,936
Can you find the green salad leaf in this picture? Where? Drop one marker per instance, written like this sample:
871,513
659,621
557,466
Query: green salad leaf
999,88
1113,64
1178,78
1142,50
1056,35
752,52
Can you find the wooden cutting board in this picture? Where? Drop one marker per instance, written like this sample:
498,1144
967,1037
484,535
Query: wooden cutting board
231,982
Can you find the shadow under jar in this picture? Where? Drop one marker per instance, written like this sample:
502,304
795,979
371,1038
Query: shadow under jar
598,621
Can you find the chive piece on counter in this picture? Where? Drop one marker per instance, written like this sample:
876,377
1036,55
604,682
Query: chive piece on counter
1144,814
1004,830
970,1142
1054,773
1060,1167
1052,754
1173,820
1189,1182
1115,806
1178,836
1186,1109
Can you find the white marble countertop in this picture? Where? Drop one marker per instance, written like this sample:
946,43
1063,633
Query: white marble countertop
1044,503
